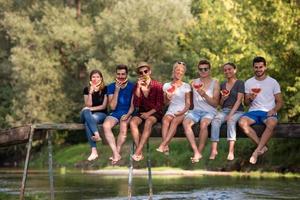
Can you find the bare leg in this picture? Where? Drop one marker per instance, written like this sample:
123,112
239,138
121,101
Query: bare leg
134,127
108,124
122,134
231,150
203,133
213,151
187,125
245,123
266,136
146,133
171,132
165,126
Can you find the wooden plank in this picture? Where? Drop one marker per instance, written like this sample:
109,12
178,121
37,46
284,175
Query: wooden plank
19,135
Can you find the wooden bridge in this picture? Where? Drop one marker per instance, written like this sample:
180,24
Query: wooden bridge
26,134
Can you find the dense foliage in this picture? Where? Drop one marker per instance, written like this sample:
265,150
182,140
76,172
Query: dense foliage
48,47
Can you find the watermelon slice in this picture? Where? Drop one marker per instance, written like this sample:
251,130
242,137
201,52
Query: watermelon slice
171,89
198,86
225,92
95,83
256,90
122,81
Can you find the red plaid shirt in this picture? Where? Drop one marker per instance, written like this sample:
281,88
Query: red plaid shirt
155,99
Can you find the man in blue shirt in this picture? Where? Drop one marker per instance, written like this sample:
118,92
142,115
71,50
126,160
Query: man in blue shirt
120,100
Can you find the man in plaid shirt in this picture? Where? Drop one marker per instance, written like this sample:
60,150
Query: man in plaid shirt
149,100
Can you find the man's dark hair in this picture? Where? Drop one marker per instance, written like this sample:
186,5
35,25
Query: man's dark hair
204,62
122,66
259,59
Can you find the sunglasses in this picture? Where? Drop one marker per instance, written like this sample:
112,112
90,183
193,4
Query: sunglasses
181,63
143,72
204,69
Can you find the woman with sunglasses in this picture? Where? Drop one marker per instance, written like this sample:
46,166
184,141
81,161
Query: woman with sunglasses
232,94
94,112
177,95
206,92
148,99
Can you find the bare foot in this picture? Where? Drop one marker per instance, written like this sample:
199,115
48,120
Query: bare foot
92,157
137,157
263,150
230,156
196,158
213,155
96,138
253,158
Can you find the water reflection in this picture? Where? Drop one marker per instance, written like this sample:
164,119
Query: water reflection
90,186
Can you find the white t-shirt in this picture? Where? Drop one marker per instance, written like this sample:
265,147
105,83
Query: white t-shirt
177,102
200,103
265,99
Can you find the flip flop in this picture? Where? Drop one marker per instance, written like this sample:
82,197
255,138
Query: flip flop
114,162
137,157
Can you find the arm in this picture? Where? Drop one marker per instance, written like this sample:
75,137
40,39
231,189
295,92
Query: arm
278,104
187,104
236,105
88,97
130,111
113,99
100,107
88,100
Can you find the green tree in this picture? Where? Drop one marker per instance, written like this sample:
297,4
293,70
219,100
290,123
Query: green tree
237,31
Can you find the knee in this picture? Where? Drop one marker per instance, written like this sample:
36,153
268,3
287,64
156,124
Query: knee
243,123
216,122
185,124
203,125
148,123
166,120
86,112
133,124
106,126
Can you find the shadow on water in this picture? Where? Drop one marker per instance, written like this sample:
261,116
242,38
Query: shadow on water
72,186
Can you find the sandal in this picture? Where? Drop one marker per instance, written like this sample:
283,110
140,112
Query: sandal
114,162
137,157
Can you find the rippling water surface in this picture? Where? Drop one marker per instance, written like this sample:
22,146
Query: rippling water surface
72,186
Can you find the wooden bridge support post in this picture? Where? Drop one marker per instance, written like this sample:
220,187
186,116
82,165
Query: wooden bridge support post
29,145
130,172
149,171
50,164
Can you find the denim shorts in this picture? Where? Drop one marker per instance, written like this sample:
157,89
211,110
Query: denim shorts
197,115
259,117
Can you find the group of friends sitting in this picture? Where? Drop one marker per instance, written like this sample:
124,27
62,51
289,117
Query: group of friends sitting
132,104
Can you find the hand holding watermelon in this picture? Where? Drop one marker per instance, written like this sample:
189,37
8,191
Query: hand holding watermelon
225,92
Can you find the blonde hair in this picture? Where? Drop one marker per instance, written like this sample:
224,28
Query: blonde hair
178,64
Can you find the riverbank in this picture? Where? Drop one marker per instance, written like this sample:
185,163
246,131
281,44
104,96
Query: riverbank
283,157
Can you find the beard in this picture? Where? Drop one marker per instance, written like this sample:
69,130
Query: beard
260,74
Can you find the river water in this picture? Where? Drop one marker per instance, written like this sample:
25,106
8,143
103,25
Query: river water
73,186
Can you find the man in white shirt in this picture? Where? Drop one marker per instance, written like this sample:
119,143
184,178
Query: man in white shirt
264,97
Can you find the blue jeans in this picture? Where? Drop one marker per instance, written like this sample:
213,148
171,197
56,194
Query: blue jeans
231,124
90,121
